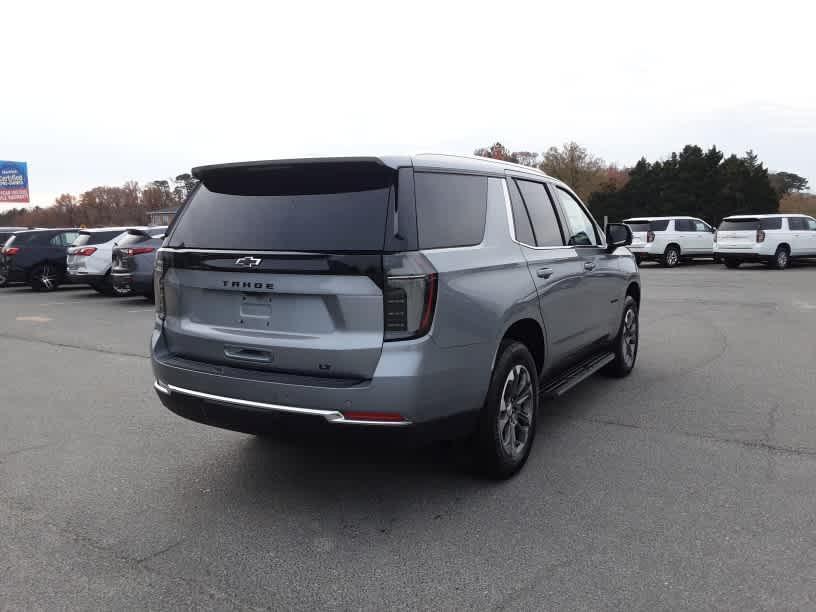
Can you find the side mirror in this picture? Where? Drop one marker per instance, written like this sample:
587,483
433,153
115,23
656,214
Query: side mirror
618,235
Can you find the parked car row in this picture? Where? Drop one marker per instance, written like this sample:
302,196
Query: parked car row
774,239
46,258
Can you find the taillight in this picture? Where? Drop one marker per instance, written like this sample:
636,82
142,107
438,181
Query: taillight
85,251
409,295
138,251
11,250
650,236
159,270
760,235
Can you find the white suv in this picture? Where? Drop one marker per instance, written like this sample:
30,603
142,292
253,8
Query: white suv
90,257
670,239
771,239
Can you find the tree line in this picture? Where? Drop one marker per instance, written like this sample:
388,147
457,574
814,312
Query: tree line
704,184
104,206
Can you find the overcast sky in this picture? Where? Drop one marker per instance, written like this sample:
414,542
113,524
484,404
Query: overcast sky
101,92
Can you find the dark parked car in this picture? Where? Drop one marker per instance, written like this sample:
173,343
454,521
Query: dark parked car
419,294
134,259
37,257
5,234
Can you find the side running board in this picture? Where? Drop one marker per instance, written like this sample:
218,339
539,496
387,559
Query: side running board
576,374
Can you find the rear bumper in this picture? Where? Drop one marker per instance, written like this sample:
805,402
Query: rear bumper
78,276
762,249
644,251
264,421
137,283
746,256
436,392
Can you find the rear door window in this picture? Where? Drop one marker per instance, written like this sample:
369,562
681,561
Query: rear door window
542,214
521,218
59,240
298,208
451,209
797,223
581,229
683,225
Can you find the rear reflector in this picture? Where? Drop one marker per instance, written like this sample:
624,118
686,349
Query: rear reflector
382,417
85,251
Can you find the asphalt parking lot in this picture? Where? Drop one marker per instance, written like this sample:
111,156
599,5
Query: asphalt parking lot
689,485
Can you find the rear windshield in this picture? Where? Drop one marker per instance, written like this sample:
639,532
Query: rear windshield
298,210
659,225
21,239
88,238
747,225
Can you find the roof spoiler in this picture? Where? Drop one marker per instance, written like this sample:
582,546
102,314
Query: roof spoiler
297,176
135,231
202,173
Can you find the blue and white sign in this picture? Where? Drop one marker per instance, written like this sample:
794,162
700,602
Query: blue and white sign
13,181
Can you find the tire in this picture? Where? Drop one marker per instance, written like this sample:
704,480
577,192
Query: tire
627,341
44,278
732,264
781,258
498,450
671,256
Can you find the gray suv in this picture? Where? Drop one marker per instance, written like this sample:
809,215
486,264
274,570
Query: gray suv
437,294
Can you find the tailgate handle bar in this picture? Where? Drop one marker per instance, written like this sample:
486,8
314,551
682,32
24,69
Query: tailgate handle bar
247,354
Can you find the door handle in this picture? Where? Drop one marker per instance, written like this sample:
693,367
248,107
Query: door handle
544,272
589,265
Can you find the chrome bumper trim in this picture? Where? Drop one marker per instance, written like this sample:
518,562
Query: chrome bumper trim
332,416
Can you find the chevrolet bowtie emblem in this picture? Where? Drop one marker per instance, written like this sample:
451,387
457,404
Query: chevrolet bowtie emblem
249,262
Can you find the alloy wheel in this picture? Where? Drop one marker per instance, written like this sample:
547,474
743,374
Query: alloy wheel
48,277
516,411
629,337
